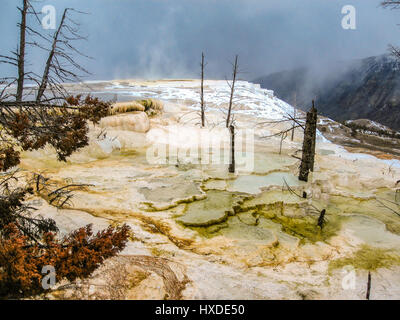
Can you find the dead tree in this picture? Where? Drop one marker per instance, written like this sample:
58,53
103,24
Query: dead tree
18,57
232,154
230,121
202,105
295,122
232,86
309,126
308,155
58,196
21,50
321,219
368,286
60,66
313,126
45,77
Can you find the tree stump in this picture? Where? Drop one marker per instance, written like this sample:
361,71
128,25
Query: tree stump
232,157
310,134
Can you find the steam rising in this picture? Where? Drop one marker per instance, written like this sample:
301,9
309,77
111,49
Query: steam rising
164,39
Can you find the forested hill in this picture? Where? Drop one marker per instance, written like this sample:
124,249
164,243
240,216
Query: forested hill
367,88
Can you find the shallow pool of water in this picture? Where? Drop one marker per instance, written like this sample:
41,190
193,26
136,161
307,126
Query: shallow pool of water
214,209
253,184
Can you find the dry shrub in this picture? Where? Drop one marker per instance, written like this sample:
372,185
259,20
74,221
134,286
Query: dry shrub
74,257
123,107
153,107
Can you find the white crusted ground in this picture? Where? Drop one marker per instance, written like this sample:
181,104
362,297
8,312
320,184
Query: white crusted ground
235,257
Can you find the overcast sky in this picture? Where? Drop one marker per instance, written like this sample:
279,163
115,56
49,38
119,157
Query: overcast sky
165,38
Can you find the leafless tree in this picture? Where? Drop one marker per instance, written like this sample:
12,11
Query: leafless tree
230,119
368,286
309,126
56,195
295,122
60,64
202,104
192,115
21,50
309,141
17,58
47,119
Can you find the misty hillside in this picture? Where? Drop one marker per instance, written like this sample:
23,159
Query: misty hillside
367,88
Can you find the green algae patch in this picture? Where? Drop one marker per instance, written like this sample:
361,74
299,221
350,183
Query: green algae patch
129,153
210,231
370,207
289,214
160,252
273,196
368,258
213,210
243,227
306,229
258,218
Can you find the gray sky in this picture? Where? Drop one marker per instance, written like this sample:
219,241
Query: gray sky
164,38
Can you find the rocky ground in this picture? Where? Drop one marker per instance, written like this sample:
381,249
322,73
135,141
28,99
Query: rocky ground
199,232
362,141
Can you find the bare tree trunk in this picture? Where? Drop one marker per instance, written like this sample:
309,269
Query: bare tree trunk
368,285
232,157
321,219
314,136
202,92
235,69
307,161
294,114
21,51
45,77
